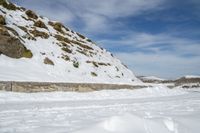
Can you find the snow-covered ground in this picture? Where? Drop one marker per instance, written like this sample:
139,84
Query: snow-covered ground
149,110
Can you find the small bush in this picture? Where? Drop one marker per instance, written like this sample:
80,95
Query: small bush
94,74
27,54
76,64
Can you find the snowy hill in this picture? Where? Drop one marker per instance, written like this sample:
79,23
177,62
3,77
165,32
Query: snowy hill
33,48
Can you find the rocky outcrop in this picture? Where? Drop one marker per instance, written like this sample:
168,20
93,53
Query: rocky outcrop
10,46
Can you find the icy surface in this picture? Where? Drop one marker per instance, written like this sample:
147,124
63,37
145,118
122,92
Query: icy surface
150,110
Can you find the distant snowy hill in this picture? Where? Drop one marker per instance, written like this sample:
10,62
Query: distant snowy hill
33,48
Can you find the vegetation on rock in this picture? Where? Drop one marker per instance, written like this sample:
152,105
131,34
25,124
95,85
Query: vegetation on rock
27,53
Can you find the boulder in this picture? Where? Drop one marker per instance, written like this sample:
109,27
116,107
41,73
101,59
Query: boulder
10,46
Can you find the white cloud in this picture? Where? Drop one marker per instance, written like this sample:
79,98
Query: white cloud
161,65
146,41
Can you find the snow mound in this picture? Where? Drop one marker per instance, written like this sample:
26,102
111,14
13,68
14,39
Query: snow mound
133,124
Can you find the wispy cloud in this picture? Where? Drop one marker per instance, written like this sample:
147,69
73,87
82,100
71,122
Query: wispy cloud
161,64
163,42
94,14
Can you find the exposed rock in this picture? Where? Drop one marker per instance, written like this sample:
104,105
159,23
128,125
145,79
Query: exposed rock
8,5
31,14
40,24
48,61
10,46
58,27
67,50
41,34
2,20
62,39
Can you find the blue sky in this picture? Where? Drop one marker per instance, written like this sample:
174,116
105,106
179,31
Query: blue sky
153,37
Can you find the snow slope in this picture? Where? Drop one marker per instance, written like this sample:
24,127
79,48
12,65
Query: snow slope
149,110
76,58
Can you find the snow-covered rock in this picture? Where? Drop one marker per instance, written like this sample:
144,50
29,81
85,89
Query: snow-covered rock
55,53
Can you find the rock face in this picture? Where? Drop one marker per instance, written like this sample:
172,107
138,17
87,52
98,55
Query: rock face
10,46
54,53
2,20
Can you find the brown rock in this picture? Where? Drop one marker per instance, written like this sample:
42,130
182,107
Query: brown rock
31,14
2,20
48,61
40,24
41,34
10,46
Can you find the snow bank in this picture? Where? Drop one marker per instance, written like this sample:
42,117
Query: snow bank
131,124
97,95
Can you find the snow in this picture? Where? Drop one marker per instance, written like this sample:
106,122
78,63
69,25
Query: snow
192,76
152,78
148,110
